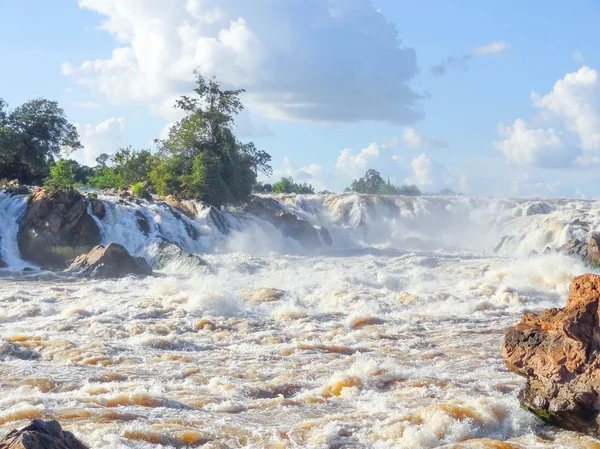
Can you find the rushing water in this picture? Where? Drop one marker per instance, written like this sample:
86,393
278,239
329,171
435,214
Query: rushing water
391,338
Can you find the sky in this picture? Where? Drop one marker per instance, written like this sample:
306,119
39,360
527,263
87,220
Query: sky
485,98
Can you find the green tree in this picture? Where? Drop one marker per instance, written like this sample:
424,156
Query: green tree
373,183
202,158
61,174
287,185
128,167
31,137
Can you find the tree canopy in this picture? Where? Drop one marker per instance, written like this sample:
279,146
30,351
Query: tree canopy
202,158
373,183
31,137
287,185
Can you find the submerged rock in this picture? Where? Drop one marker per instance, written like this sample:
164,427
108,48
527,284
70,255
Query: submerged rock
558,353
112,261
56,228
309,236
41,435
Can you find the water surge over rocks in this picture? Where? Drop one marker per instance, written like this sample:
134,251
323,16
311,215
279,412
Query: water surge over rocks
247,336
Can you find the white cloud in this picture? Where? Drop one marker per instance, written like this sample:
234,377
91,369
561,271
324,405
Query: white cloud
298,60
534,147
574,101
572,105
412,139
105,137
494,47
356,165
577,56
313,174
431,176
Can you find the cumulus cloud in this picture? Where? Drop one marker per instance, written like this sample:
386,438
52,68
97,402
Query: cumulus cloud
462,62
105,137
494,47
311,60
431,176
413,139
574,102
573,105
534,147
355,165
313,174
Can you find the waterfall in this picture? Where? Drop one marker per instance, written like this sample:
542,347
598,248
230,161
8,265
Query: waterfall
11,210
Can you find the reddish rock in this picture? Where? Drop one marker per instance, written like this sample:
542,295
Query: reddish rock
557,352
56,228
41,435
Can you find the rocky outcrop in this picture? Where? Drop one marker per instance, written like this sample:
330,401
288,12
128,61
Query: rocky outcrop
558,353
41,435
589,252
112,261
14,187
309,236
98,208
167,252
3,264
56,228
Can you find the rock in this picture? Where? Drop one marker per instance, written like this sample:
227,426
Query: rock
98,208
288,223
219,220
112,261
2,263
56,228
589,252
167,251
558,353
28,270
41,435
14,187
142,222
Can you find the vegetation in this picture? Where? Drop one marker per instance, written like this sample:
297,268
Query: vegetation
373,183
61,174
128,167
31,137
202,158
287,185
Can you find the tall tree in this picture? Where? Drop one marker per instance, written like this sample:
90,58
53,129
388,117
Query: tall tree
202,158
31,137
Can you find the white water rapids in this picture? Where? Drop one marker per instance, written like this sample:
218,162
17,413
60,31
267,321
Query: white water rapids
391,338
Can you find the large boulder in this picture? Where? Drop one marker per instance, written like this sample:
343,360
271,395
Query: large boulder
41,435
112,261
309,236
164,252
558,353
56,228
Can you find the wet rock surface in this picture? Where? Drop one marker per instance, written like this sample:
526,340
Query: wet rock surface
56,228
112,261
589,252
558,353
309,236
41,435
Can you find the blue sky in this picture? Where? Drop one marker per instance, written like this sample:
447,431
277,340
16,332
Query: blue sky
435,93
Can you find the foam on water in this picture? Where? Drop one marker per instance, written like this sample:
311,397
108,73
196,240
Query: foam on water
391,339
